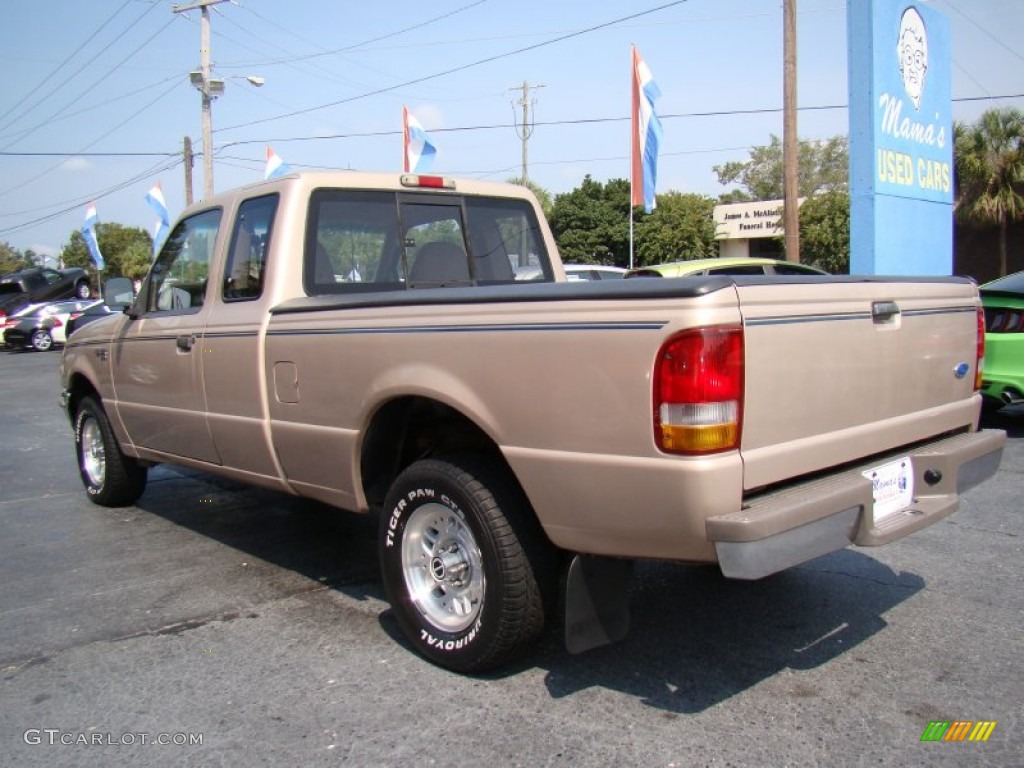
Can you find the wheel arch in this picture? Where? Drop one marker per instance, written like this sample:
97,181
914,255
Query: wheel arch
79,386
411,427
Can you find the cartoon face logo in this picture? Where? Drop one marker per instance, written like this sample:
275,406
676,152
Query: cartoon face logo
912,52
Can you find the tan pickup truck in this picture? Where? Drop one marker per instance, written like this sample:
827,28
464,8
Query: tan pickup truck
362,339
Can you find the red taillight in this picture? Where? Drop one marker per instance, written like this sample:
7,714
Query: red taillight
430,182
698,391
57,323
979,363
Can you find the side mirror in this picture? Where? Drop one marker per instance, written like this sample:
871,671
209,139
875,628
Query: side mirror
119,291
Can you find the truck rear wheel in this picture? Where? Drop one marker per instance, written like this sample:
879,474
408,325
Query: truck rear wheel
111,479
455,554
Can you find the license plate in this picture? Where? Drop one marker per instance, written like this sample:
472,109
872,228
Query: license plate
893,486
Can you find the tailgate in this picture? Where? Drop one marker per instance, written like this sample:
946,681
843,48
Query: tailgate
840,370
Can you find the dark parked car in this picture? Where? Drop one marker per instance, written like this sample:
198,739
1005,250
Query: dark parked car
45,284
44,325
118,295
86,316
12,300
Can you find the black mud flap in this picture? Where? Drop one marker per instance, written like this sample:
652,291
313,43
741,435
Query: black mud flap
596,602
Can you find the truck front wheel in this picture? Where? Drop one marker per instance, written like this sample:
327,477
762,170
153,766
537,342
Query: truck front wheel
111,479
460,564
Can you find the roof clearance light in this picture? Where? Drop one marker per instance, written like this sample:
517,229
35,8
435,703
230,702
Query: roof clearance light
429,182
698,391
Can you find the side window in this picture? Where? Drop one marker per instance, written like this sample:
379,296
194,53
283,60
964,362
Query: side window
740,269
506,240
793,269
247,256
351,242
178,278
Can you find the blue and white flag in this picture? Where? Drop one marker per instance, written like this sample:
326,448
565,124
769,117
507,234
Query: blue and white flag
418,153
646,136
275,165
155,198
89,234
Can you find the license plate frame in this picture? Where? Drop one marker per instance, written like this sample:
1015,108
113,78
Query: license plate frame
892,487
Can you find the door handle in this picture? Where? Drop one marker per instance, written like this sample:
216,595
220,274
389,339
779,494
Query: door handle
185,342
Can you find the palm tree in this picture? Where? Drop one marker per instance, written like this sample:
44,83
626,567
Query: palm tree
989,172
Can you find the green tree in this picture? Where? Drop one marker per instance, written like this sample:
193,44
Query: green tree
121,247
135,260
822,167
542,195
825,231
11,259
682,227
591,223
989,172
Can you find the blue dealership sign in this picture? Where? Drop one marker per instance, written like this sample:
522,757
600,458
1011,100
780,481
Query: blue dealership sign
901,139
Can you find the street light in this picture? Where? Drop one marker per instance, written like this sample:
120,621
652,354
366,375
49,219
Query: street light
211,88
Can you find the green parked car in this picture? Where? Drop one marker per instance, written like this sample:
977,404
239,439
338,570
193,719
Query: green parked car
1003,376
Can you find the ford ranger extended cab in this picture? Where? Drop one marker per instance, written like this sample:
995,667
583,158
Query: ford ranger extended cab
362,340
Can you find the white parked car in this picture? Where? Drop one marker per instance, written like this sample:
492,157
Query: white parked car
41,326
576,272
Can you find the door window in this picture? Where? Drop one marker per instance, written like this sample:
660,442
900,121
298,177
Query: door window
247,256
178,278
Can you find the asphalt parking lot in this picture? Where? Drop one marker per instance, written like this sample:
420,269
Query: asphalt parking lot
216,624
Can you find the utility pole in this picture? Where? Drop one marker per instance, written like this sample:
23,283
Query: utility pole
790,149
188,170
526,130
209,89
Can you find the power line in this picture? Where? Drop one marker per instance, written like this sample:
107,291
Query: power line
91,107
53,73
305,57
80,201
90,144
161,167
481,127
88,154
461,68
984,31
84,91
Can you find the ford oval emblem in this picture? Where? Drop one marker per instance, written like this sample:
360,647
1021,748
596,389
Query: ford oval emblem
961,370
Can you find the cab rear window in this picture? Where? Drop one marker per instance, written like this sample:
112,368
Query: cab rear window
364,240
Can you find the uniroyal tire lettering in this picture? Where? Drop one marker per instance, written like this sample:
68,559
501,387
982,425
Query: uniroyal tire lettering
451,645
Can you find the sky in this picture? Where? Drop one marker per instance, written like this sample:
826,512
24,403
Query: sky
96,100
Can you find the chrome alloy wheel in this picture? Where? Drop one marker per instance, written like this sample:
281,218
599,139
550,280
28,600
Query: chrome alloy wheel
443,568
94,455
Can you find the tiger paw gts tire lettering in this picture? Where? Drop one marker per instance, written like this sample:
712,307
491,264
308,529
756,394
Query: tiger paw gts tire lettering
456,569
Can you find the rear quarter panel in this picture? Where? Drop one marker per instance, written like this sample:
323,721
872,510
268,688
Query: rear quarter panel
562,387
